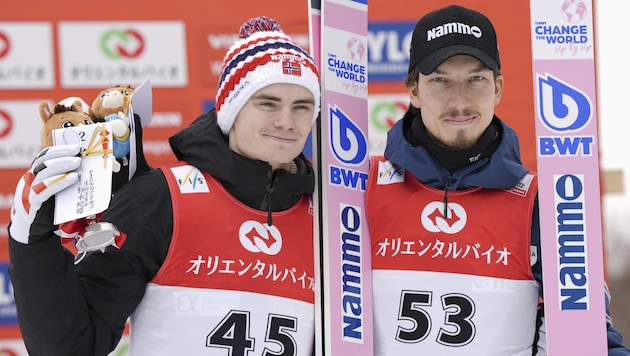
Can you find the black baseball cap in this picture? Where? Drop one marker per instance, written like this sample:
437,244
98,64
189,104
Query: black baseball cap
450,31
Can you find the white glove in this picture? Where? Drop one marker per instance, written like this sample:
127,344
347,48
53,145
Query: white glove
51,172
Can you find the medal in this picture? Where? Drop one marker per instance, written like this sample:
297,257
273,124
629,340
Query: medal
99,235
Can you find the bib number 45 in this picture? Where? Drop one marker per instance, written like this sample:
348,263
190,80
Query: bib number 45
233,334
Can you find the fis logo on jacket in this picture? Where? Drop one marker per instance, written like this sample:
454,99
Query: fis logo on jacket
434,220
349,145
565,110
389,174
258,237
190,180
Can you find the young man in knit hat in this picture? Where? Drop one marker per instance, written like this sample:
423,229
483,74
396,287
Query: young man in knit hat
453,214
218,258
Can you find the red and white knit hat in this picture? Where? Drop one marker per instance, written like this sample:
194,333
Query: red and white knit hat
264,55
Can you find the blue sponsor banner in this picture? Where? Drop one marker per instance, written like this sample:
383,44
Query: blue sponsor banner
388,50
8,313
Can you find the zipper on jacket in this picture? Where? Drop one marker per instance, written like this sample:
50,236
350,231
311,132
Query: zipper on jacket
272,179
446,186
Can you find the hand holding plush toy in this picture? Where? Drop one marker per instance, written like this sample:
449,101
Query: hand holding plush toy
110,105
89,233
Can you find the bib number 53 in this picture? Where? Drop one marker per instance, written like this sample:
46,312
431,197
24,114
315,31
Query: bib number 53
457,328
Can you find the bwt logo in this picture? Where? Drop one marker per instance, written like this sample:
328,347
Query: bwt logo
570,207
122,44
5,45
563,109
349,146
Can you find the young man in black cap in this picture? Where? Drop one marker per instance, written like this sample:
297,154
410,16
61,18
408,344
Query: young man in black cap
453,213
218,258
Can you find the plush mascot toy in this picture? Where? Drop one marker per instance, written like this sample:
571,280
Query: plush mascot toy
67,113
112,105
